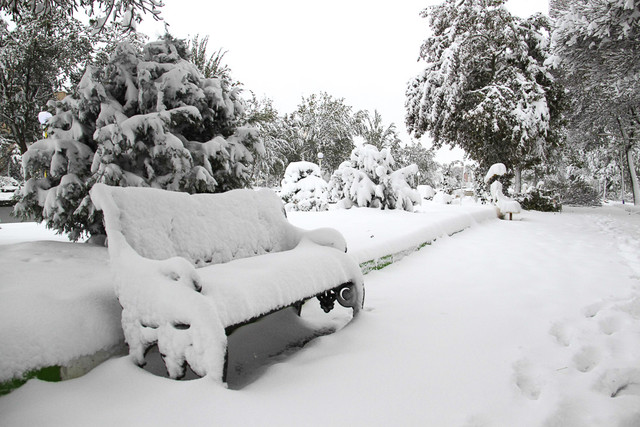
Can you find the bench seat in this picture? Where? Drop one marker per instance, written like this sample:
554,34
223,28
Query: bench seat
261,285
189,269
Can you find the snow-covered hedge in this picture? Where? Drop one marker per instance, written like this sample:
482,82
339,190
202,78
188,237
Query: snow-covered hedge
303,188
368,180
147,119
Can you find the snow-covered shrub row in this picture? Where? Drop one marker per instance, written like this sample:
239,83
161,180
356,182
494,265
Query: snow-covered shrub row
534,199
575,191
303,188
368,180
147,119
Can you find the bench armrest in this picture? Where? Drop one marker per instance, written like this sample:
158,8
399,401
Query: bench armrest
326,237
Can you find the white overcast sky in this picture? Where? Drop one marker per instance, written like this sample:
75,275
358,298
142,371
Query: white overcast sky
362,51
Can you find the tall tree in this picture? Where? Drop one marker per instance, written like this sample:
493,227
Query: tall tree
374,132
210,65
276,135
143,120
323,124
485,87
597,43
38,57
416,153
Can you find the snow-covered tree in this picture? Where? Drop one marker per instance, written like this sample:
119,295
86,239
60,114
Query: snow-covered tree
10,160
368,180
275,133
127,12
597,44
150,120
485,87
210,65
322,124
374,132
37,58
303,188
424,158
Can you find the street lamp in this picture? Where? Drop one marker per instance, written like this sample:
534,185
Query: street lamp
320,157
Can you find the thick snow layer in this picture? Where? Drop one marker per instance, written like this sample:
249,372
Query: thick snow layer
56,303
371,234
495,169
185,311
219,229
511,323
303,188
426,191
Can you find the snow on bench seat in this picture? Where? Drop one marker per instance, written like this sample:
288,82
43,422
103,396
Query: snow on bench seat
251,262
263,284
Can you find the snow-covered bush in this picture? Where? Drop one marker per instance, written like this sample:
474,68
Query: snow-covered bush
303,188
368,180
442,197
426,191
575,191
534,199
8,184
143,120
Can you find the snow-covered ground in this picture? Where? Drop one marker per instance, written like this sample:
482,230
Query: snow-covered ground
510,323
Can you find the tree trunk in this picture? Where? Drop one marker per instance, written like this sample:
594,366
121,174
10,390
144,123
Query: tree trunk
635,187
518,179
628,151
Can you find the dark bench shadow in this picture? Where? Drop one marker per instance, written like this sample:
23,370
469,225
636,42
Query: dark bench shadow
270,340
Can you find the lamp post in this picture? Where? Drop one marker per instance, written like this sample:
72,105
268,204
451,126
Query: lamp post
320,157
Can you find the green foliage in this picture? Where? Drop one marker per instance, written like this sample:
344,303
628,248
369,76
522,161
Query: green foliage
576,192
375,132
276,135
416,153
536,200
49,373
322,124
210,65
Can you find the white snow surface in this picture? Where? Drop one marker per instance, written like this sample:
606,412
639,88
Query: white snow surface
533,322
495,169
56,302
252,261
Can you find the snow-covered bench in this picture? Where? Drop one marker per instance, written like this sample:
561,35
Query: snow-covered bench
189,269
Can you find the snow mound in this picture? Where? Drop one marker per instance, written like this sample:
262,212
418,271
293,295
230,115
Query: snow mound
495,169
303,188
57,304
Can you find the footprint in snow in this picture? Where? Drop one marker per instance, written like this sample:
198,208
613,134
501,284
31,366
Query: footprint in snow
586,359
609,325
620,382
561,332
593,309
528,380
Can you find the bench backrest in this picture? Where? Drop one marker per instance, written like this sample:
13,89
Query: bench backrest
203,228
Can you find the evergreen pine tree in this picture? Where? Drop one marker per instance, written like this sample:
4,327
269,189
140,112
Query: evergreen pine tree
143,120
